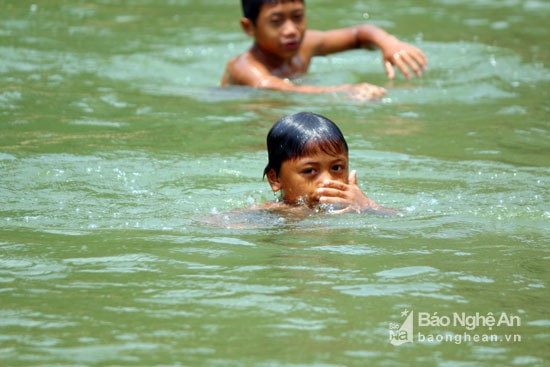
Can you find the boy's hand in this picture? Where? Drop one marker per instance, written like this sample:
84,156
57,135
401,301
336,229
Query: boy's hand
365,91
404,56
347,196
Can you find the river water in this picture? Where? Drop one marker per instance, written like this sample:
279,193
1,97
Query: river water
126,171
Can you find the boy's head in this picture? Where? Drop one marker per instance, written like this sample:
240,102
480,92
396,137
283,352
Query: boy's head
251,8
297,135
277,26
304,150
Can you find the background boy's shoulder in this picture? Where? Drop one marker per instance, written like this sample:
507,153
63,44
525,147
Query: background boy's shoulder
238,68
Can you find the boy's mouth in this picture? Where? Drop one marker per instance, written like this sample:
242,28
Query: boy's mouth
291,46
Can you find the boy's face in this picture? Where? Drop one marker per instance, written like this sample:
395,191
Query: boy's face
280,27
299,178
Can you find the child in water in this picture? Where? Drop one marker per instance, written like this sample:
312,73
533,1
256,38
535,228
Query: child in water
283,49
308,166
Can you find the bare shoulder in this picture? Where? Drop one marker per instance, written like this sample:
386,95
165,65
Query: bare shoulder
230,75
227,75
243,70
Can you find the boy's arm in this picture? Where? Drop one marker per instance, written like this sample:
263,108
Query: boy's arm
244,70
394,52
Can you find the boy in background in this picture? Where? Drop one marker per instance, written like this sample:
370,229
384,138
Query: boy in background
283,49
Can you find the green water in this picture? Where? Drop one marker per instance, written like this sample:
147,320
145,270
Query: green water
124,168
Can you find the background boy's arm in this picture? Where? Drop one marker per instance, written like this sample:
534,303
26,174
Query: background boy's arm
244,70
394,52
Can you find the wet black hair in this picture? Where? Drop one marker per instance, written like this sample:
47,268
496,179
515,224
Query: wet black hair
297,135
251,8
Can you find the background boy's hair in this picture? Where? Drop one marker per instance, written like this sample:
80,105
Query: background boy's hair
300,134
251,8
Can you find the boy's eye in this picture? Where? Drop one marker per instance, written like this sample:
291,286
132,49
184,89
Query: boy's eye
297,18
308,171
276,21
338,167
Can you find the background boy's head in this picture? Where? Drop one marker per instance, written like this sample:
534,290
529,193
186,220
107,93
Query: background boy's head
297,135
251,8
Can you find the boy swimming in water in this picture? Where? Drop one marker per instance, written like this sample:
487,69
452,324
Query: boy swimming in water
283,49
308,166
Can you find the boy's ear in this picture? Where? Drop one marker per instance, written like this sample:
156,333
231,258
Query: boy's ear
247,26
273,179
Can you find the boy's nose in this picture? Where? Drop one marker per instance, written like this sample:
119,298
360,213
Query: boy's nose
324,176
289,28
